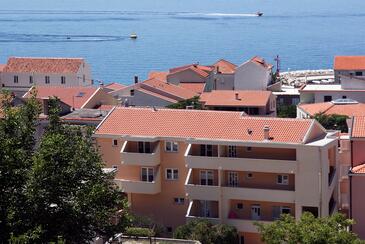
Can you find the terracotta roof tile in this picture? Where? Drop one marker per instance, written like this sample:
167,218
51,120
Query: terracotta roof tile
161,75
328,108
155,94
114,86
261,62
360,169
228,98
225,67
73,96
2,66
358,127
193,86
349,63
199,69
168,88
201,124
43,65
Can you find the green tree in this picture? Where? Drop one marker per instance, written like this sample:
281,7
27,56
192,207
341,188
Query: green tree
333,121
309,229
188,102
287,111
207,233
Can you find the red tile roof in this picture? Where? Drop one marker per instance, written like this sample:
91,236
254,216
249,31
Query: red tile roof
43,65
349,63
202,124
360,169
2,66
225,67
161,75
155,94
358,127
228,98
261,62
199,69
73,96
193,86
328,108
114,86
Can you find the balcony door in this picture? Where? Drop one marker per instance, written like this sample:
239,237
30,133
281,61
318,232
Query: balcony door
206,150
233,179
255,212
232,151
147,174
206,208
206,177
144,147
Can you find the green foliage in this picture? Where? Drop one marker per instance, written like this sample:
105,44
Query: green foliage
57,188
207,233
146,222
139,231
333,121
287,111
188,102
328,230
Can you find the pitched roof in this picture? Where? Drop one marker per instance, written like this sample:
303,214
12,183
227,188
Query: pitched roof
198,69
202,124
359,169
43,65
114,86
349,63
156,94
228,98
2,66
328,108
161,75
193,86
262,62
358,127
225,67
75,97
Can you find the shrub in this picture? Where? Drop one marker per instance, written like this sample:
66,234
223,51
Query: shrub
139,231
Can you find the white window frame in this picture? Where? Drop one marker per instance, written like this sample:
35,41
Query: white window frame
148,171
285,207
284,179
172,173
171,146
232,151
63,79
113,142
16,79
233,175
205,175
142,147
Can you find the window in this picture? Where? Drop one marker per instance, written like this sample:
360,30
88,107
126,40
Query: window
358,73
115,166
232,179
179,200
30,79
16,79
147,174
47,80
282,179
206,177
239,206
131,93
327,98
144,147
312,210
277,211
285,210
206,150
172,174
169,229
63,80
248,149
171,146
295,101
232,151
249,176
344,97
115,142
255,212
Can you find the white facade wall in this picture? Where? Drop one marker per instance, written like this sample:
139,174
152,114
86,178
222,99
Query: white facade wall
318,96
356,82
251,76
140,98
185,76
223,81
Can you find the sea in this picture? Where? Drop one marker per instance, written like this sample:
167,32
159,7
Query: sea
306,34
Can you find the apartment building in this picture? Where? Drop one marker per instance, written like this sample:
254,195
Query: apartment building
180,165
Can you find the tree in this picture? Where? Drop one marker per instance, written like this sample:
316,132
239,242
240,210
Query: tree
188,102
287,111
333,121
207,233
309,229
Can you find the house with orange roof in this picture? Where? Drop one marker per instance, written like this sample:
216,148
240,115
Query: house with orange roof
224,75
226,167
262,103
21,73
113,86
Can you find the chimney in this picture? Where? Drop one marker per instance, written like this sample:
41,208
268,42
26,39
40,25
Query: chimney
136,79
266,132
217,70
236,96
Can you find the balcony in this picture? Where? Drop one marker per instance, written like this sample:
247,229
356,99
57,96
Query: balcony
139,186
131,155
245,225
201,192
217,160
207,210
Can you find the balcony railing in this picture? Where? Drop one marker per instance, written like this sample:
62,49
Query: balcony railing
195,213
200,192
131,156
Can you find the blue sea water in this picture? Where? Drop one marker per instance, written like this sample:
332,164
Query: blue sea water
306,34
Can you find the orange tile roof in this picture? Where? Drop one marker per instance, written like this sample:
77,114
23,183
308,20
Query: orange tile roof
225,67
328,108
261,62
114,86
168,88
228,98
73,96
199,69
201,124
193,86
2,66
360,169
155,94
161,75
349,63
358,127
43,65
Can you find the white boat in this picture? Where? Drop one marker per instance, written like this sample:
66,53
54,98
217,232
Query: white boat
133,36
259,14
